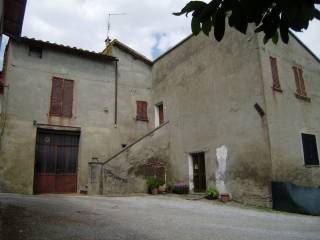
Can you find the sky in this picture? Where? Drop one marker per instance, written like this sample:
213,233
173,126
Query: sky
147,26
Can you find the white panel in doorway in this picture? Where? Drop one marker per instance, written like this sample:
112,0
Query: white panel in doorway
190,161
222,156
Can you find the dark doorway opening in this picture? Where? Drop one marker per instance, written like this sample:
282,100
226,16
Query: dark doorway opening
56,161
310,150
199,172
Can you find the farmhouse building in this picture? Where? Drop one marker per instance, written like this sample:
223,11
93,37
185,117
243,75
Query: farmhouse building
78,121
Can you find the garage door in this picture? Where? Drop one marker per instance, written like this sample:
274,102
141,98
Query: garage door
56,161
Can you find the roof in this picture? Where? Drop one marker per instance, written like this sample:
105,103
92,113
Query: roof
129,50
64,48
13,17
191,35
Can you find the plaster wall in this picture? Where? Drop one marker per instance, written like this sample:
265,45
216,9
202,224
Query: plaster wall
209,90
289,116
126,173
134,84
29,79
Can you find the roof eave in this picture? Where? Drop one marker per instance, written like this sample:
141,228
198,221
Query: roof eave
131,51
67,49
14,11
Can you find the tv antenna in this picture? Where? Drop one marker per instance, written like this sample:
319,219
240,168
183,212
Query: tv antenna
109,21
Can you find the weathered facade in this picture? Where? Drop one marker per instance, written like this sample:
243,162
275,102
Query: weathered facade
239,114
209,91
31,67
223,95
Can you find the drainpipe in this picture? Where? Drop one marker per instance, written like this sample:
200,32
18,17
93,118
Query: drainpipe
116,96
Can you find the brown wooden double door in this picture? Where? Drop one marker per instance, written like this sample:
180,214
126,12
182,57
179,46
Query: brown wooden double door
56,162
199,172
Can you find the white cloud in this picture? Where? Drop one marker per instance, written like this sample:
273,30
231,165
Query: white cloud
83,23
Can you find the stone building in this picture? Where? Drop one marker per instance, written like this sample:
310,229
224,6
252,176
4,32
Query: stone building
110,116
65,106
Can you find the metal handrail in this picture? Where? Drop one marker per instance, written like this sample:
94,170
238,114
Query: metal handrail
134,143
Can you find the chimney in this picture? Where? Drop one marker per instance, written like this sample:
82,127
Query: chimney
108,49
107,41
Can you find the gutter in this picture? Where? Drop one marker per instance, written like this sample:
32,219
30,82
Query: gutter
116,96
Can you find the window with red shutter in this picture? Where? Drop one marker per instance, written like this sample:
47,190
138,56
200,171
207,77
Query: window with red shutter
142,111
56,97
67,98
298,75
61,97
275,74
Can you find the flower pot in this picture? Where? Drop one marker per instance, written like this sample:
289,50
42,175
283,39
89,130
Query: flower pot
162,189
154,191
225,197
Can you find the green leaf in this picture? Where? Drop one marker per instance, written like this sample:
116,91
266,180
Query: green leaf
219,25
190,7
195,26
265,40
284,30
207,26
238,18
208,11
275,38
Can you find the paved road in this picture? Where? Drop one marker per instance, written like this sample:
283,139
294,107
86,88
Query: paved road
143,217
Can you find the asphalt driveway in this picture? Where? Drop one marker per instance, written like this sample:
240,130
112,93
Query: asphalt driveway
143,217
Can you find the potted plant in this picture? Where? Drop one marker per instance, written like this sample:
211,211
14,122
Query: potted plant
181,188
212,194
153,184
224,197
170,187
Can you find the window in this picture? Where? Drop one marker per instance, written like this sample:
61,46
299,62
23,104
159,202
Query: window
159,115
142,111
61,97
275,74
298,75
310,149
35,51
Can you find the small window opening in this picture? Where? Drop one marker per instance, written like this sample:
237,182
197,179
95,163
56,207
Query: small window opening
142,111
159,115
35,51
310,150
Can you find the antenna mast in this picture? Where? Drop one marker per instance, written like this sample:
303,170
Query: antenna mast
109,22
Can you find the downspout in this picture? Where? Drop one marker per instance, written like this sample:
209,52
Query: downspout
116,96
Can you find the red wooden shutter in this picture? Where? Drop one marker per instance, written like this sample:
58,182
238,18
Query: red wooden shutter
145,110
56,97
138,110
142,111
296,77
275,73
301,80
67,98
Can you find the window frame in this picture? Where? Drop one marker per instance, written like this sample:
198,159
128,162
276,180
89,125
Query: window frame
157,118
62,101
35,51
301,92
276,85
142,111
304,153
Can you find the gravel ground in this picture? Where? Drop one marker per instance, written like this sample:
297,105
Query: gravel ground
143,217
